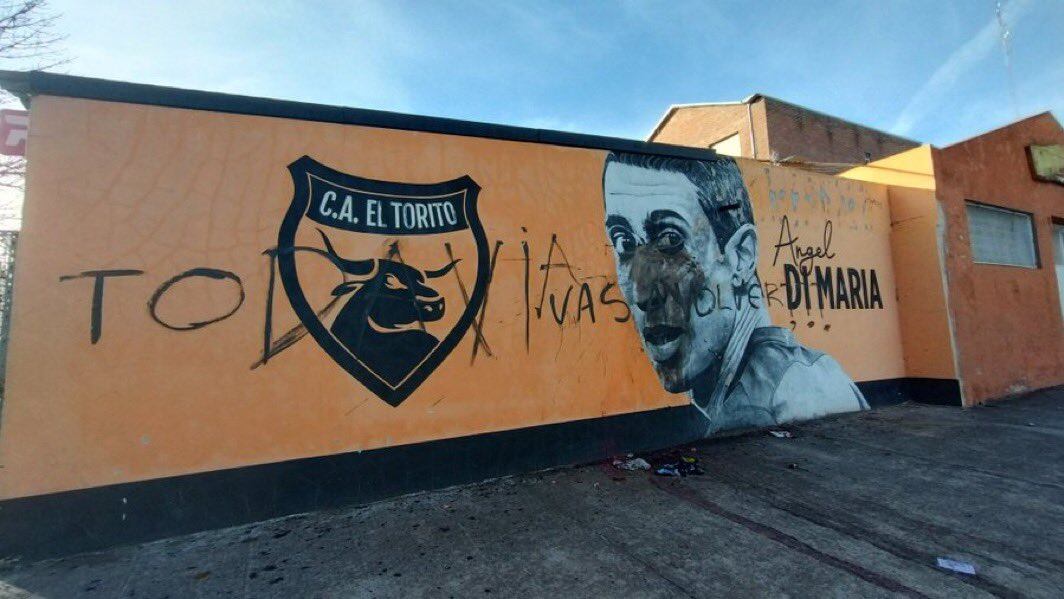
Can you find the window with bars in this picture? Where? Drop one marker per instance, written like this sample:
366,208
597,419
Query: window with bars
1001,236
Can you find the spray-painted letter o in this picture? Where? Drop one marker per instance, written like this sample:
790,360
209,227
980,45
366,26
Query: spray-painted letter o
212,273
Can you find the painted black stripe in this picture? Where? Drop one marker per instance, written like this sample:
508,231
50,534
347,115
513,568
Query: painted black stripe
943,392
32,83
87,519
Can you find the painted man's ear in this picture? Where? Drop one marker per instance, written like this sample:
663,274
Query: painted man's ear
741,253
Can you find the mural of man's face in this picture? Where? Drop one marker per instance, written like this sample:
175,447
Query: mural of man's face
678,282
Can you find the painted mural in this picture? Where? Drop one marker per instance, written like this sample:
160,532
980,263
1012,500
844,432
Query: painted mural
686,249
220,290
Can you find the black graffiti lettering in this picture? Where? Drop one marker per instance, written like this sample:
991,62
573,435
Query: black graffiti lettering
528,304
546,276
293,335
608,301
267,319
849,288
771,289
854,280
785,240
805,289
96,309
875,297
711,304
585,302
465,298
826,247
548,265
755,296
864,285
793,285
210,273
824,287
803,257
560,319
484,304
270,346
840,290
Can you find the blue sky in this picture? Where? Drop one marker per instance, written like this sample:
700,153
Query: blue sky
934,71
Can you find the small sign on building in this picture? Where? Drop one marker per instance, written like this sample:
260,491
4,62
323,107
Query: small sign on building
14,131
1047,162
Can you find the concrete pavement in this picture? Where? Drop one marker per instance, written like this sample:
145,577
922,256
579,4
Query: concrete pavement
859,505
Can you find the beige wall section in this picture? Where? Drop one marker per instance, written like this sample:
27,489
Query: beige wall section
916,252
122,186
729,146
921,292
850,222
912,168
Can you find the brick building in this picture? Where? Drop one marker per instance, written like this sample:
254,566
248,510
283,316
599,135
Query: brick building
998,230
767,128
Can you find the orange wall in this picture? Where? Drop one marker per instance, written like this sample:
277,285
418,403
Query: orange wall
866,342
921,293
161,190
1009,333
916,231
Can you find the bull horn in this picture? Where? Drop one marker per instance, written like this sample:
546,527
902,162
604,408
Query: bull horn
347,287
439,272
358,268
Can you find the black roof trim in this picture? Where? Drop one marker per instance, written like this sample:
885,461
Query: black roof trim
27,84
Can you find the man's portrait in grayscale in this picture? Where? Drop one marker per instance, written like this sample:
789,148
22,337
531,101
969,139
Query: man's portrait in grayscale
686,251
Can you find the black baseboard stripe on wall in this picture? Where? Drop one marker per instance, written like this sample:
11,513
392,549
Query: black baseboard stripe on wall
74,521
943,392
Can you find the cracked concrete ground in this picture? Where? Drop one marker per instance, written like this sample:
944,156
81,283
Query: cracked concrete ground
860,505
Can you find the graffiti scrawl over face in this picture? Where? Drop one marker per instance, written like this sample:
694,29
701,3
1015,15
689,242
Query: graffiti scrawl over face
686,251
672,271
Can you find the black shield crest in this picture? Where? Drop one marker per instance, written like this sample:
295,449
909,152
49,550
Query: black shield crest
386,276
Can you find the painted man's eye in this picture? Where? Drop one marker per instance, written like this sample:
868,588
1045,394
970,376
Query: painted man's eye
623,242
669,241
392,282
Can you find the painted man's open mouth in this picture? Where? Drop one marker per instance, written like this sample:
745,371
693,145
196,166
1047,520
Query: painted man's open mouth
662,341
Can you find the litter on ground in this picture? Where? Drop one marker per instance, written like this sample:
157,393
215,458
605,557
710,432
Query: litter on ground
632,464
956,566
686,466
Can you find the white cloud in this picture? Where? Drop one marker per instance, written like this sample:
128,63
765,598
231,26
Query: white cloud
1033,96
963,60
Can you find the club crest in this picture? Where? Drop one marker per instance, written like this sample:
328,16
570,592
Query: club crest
387,277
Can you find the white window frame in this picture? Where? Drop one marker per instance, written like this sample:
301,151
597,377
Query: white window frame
970,204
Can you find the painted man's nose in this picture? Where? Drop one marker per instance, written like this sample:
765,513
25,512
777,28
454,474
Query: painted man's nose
649,300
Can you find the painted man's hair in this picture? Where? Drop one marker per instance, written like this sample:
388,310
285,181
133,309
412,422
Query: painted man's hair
721,191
